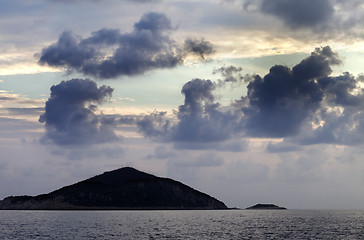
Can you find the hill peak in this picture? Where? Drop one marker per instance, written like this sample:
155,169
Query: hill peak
120,176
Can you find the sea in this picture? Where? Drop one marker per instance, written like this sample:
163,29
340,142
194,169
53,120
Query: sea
205,224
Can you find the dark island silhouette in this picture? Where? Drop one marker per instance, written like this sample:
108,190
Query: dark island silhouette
121,189
265,206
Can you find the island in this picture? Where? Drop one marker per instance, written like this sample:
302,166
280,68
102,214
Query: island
264,206
121,189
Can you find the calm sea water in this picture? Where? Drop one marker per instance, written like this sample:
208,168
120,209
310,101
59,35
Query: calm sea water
232,224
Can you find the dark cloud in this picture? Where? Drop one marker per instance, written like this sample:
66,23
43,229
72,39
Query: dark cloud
154,125
146,48
67,52
339,90
199,119
340,119
102,36
298,13
107,53
304,104
69,121
197,92
199,47
317,65
118,119
277,105
286,98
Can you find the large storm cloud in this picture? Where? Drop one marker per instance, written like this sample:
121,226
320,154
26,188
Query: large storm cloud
306,104
70,117
284,99
109,53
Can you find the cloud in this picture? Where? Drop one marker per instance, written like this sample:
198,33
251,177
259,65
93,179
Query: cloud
68,121
304,104
6,98
299,14
199,47
75,1
230,74
67,52
107,53
127,120
340,119
339,90
154,125
146,48
9,99
285,99
24,111
14,125
199,119
343,126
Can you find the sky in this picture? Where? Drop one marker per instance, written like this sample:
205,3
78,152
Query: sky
248,101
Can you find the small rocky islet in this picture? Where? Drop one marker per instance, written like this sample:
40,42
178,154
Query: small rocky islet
265,206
